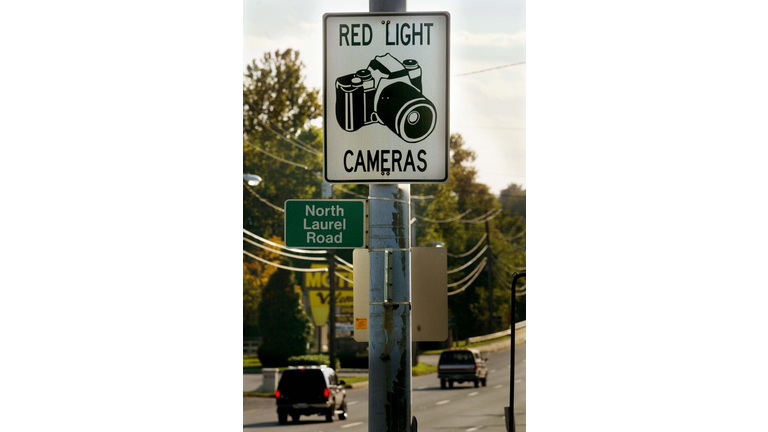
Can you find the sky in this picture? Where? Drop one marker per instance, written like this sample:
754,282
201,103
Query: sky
487,108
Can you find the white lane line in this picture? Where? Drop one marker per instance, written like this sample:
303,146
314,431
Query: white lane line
442,402
352,403
473,429
352,425
497,386
518,381
421,388
473,394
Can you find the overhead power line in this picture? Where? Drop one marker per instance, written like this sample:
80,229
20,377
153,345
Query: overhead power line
347,191
485,219
343,278
322,251
442,221
338,258
262,199
490,69
284,253
277,157
296,143
480,268
305,270
479,254
471,250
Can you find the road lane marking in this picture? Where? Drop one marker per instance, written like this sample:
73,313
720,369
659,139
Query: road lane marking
352,425
473,429
473,394
518,381
352,403
442,402
421,388
250,411
493,370
497,386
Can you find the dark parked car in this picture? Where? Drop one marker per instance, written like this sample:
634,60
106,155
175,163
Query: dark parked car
308,390
462,365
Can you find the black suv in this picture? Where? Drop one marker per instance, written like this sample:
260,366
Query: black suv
308,390
462,365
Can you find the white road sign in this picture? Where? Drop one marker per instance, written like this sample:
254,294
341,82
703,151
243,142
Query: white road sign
385,97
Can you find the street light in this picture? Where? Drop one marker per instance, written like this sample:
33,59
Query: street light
252,179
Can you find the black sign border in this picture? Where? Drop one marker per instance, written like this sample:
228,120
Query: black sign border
447,96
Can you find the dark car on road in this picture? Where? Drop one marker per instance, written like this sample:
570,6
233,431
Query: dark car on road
310,390
462,365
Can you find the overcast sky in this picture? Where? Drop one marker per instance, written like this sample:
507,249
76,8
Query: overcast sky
487,109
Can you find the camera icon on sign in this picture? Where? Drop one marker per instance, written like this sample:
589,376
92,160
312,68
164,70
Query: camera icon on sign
388,92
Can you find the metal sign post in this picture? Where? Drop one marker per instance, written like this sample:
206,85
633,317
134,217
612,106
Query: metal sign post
386,121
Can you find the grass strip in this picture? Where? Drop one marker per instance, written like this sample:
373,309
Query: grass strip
258,394
463,344
352,380
423,369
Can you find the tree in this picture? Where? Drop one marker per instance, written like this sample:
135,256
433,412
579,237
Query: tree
279,143
513,199
462,193
284,325
255,277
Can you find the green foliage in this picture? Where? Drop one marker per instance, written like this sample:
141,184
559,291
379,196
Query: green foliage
277,102
255,277
423,369
463,192
312,359
251,361
284,325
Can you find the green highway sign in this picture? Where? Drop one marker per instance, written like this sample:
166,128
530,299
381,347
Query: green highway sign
325,224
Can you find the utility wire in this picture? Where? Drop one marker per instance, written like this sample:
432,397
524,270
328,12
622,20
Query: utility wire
282,246
306,270
477,220
347,191
343,278
262,199
490,69
480,217
443,221
286,138
469,283
500,277
277,157
295,140
284,253
471,250
479,266
338,258
479,254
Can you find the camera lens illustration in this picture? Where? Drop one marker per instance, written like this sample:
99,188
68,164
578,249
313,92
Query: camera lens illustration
388,92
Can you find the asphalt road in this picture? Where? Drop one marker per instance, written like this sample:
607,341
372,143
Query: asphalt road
462,408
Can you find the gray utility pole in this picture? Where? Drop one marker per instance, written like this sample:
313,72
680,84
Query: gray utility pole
332,306
389,329
327,191
490,288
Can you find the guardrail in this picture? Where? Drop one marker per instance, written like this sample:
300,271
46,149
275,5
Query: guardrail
502,333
